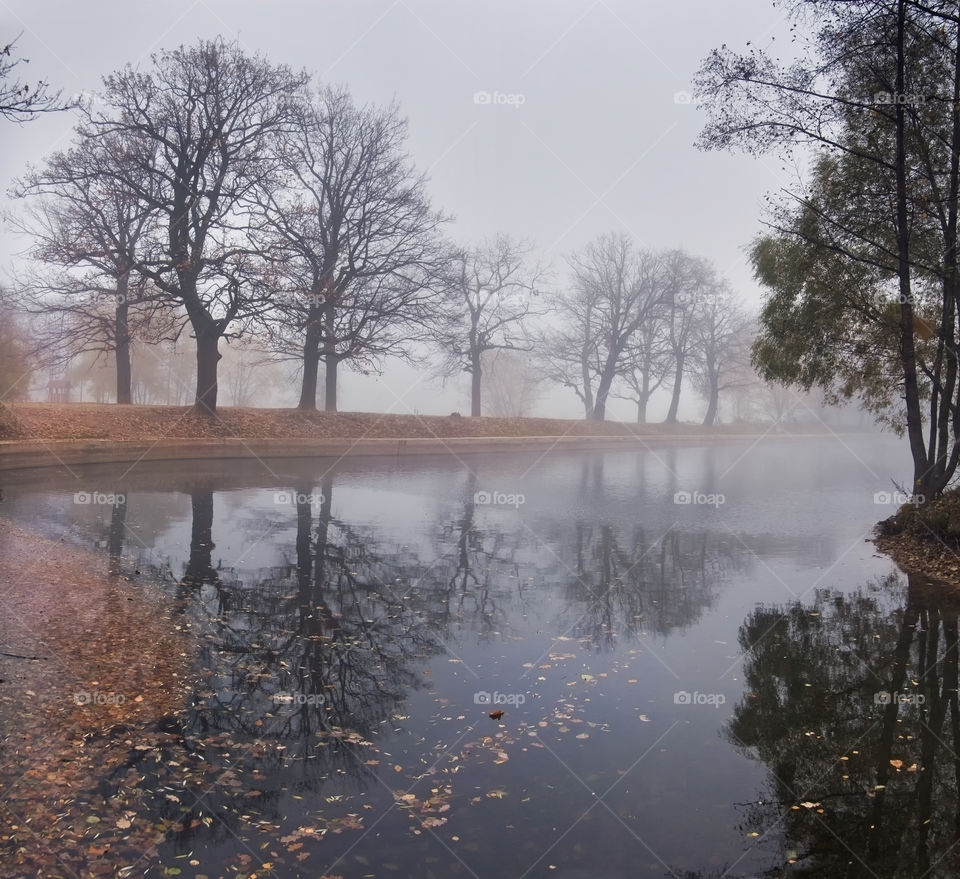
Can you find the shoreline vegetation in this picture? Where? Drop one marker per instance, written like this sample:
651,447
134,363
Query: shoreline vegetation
925,541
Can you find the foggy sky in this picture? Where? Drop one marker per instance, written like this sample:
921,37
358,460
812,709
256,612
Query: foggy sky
583,133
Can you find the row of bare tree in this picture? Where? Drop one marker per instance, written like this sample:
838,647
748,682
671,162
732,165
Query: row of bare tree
638,319
226,197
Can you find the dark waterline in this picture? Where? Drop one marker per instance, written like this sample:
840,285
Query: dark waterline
735,685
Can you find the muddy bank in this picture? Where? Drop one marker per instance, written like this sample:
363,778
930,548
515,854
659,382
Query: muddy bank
925,541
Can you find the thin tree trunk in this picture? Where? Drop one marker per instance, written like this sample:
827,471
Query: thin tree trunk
587,388
713,404
330,359
901,656
311,368
476,375
675,396
949,415
122,346
118,530
908,357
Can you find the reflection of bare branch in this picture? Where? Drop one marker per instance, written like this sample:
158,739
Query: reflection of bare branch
633,584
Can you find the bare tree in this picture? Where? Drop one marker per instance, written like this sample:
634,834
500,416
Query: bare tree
689,278
513,384
616,289
355,242
722,339
16,367
165,374
92,377
649,362
202,125
88,231
19,101
489,297
249,374
875,94
569,353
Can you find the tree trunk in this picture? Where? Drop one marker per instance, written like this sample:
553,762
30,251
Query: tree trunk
587,388
603,390
908,357
118,530
475,378
200,567
948,417
122,346
207,359
330,359
889,724
713,403
642,399
311,368
643,395
675,396
330,383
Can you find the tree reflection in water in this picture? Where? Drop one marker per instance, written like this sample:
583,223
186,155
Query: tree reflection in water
851,700
630,583
304,664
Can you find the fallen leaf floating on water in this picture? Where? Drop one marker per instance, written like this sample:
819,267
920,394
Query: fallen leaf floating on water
496,715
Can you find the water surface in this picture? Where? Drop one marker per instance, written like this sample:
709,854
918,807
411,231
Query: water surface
703,666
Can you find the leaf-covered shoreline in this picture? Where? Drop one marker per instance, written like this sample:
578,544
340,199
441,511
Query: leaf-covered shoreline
56,421
74,722
925,541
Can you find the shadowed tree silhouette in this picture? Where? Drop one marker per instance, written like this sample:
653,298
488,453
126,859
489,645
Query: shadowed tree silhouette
852,702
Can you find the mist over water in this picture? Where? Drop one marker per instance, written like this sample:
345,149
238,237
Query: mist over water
688,682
